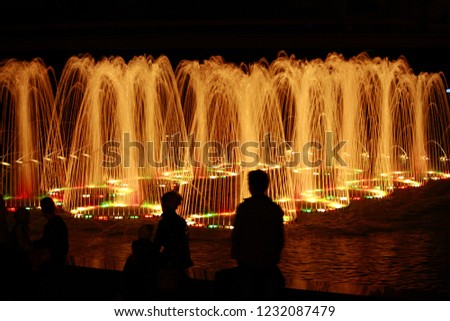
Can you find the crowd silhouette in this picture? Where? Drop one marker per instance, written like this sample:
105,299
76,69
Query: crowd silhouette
160,259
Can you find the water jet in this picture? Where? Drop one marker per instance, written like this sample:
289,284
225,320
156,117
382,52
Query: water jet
327,132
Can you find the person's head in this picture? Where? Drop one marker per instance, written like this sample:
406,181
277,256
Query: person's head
22,215
170,201
146,231
48,207
258,182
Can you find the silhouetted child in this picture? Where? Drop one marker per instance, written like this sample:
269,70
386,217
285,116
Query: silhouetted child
172,240
172,235
141,268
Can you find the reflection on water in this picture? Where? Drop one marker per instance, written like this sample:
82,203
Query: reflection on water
323,260
367,248
313,258
400,261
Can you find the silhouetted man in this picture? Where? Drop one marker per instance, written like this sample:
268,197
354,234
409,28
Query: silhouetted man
257,241
54,242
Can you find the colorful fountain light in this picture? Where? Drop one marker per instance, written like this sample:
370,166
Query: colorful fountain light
109,137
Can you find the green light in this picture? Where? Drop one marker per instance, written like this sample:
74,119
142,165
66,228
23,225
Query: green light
210,214
105,204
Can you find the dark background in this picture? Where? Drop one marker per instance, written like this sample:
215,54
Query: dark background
239,31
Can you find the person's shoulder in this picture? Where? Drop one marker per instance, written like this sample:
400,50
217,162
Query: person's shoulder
247,202
59,223
278,208
60,220
55,219
264,199
272,206
164,218
181,220
171,219
275,204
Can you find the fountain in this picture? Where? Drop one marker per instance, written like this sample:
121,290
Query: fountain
109,137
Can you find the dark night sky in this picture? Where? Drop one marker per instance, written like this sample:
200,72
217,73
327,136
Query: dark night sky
239,31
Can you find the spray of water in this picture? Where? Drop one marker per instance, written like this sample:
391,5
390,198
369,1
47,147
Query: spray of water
109,137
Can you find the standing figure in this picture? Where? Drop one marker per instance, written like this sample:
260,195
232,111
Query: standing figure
21,275
172,240
172,235
20,237
4,230
257,241
54,243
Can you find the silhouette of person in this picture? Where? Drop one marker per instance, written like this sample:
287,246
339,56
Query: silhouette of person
4,229
141,267
258,240
172,234
6,254
16,265
21,255
172,240
20,238
54,242
20,232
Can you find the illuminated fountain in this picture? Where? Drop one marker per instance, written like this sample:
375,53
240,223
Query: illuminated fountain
227,108
383,112
111,102
29,132
110,137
